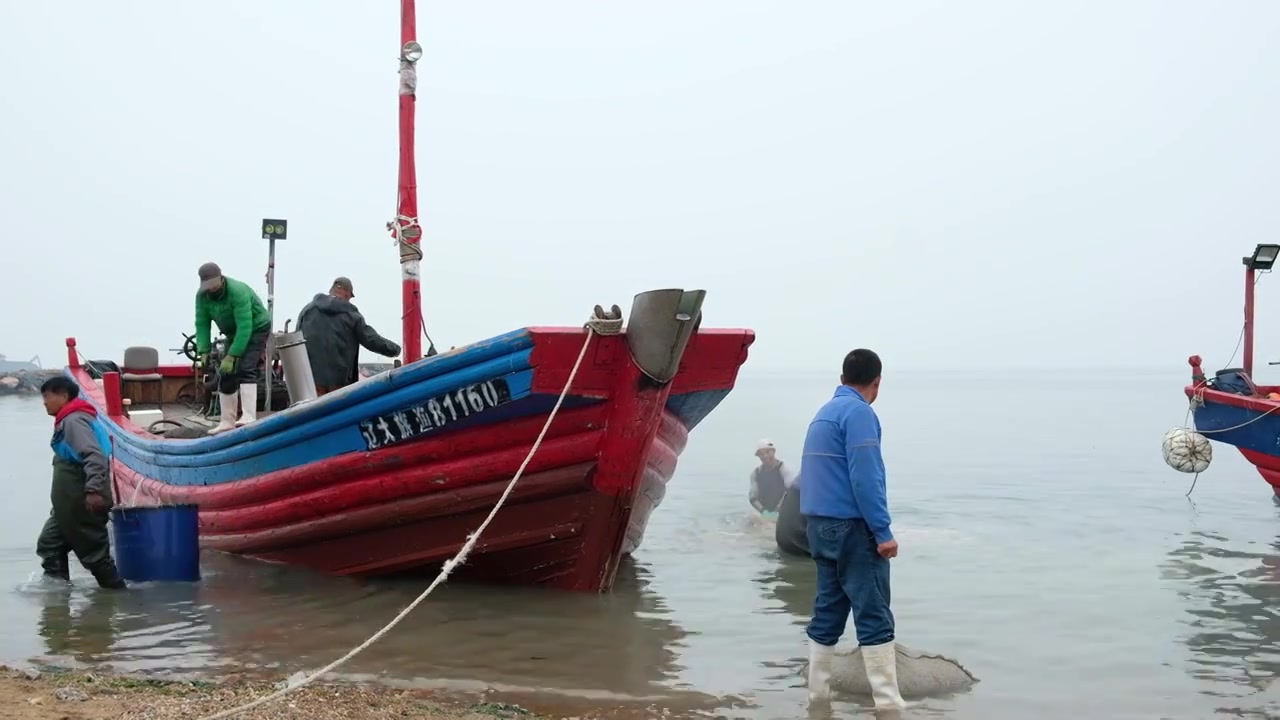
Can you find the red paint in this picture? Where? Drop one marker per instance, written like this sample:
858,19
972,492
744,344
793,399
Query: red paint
710,362
73,357
1268,466
1250,280
76,405
1197,372
635,410
407,199
1258,402
540,536
111,393
585,501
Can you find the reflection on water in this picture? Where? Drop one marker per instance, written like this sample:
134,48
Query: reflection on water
254,615
1234,603
789,582
1028,559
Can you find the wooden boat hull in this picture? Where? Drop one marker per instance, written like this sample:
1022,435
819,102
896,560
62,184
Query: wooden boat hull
1250,423
391,474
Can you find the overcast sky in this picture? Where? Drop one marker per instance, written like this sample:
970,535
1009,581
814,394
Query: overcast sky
966,184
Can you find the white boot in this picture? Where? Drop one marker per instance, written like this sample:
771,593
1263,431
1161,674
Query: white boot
230,403
882,674
249,403
820,671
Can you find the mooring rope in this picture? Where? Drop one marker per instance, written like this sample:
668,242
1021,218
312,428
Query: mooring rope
601,323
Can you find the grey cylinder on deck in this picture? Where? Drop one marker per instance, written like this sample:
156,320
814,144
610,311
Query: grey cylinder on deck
292,347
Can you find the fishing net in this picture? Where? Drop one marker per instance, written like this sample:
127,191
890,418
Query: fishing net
920,674
1186,450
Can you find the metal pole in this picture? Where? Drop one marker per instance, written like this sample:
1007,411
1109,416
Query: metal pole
1250,279
271,314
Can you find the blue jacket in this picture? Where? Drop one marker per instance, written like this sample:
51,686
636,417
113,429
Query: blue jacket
842,467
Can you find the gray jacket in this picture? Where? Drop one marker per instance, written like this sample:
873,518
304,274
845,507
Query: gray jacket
79,437
335,331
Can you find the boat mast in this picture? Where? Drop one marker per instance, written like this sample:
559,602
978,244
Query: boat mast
405,228
1250,280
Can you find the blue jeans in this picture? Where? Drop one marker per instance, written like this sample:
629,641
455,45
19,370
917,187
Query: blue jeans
851,577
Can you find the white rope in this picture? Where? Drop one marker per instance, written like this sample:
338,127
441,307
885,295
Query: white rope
599,324
406,227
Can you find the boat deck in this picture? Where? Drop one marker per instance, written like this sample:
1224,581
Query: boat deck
182,422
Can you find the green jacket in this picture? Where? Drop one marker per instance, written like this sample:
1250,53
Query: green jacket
239,313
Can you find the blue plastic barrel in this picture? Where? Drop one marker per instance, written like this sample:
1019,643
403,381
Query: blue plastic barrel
157,544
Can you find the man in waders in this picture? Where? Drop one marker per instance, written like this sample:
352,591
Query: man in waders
847,511
240,315
769,480
81,493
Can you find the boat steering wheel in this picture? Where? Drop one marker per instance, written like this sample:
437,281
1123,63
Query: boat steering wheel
189,347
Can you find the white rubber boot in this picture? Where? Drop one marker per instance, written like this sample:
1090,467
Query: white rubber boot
882,675
230,406
249,403
820,657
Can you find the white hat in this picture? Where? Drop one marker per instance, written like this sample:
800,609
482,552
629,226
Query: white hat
764,445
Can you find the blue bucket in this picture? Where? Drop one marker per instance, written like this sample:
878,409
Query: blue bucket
159,543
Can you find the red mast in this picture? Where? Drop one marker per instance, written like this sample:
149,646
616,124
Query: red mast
405,228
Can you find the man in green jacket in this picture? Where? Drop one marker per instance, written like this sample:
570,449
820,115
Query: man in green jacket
241,316
81,491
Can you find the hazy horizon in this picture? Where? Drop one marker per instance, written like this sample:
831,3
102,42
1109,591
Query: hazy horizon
978,185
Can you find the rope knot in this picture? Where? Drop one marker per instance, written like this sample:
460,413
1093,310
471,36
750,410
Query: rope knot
403,229
605,323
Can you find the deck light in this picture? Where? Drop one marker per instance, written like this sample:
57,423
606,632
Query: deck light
412,52
1264,256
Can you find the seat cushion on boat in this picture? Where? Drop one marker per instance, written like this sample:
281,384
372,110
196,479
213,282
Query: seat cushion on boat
140,358
141,377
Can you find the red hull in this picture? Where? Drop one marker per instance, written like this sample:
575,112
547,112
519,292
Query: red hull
583,502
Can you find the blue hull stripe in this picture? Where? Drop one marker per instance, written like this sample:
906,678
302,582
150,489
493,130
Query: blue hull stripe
510,353
325,438
328,427
1260,434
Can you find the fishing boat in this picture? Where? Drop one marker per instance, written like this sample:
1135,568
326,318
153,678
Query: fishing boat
390,475
1230,407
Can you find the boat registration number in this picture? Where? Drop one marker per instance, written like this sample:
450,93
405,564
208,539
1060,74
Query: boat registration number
434,414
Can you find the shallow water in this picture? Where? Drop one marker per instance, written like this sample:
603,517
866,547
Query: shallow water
1044,544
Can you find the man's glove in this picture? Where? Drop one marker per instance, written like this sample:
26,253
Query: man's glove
228,365
202,360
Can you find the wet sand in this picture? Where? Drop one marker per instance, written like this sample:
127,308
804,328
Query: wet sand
76,695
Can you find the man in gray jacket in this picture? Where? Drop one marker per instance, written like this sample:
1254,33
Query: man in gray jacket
335,331
81,491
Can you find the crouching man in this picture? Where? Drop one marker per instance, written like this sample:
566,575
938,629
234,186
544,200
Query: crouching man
81,492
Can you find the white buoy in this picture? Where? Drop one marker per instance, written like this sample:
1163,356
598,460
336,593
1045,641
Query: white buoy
1187,451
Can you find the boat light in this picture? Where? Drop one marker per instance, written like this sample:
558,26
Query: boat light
412,52
1264,256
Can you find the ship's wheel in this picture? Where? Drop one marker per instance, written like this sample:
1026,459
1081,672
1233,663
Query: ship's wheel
189,347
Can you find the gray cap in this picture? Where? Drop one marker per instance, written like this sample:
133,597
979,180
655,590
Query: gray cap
209,274
345,284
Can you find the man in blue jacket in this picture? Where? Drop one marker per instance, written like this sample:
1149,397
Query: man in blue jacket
81,488
847,512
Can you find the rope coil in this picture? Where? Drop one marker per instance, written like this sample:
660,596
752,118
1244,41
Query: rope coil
402,229
600,323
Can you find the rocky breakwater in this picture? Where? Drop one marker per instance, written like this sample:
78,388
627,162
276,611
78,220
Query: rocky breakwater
24,382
